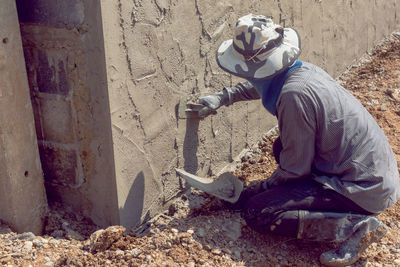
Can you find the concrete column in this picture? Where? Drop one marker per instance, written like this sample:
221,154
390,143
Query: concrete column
22,196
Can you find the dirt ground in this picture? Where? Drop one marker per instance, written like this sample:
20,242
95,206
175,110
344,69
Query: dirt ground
197,230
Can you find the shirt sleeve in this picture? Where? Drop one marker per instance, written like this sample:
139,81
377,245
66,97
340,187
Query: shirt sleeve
242,91
297,127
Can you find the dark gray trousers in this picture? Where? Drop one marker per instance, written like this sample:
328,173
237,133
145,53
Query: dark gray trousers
276,210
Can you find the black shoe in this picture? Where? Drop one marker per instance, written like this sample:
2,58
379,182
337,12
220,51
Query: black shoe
370,230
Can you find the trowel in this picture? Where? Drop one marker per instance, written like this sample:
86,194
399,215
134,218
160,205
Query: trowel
189,109
227,186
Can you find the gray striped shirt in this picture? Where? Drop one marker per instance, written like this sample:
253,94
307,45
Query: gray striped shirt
328,135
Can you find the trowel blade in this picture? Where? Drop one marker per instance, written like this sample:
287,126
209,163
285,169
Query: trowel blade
227,186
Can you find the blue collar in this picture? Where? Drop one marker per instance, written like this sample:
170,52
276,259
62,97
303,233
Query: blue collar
269,90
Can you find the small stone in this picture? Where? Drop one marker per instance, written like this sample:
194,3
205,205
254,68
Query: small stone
119,252
201,232
216,251
154,231
226,256
394,94
135,252
57,233
28,246
73,234
396,261
103,238
374,102
174,230
252,161
191,264
167,244
207,247
236,253
190,231
227,250
384,107
49,263
148,257
37,243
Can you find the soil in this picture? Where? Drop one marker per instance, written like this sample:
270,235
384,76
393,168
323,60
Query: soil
197,229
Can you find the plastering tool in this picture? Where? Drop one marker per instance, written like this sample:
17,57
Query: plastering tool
227,186
189,109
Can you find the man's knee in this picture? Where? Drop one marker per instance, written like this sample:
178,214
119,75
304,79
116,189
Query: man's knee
256,218
269,220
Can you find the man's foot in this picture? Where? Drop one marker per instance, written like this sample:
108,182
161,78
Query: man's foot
369,231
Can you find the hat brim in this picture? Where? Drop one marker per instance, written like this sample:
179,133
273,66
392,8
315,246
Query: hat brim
275,62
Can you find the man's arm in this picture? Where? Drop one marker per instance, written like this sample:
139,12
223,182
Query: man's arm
297,132
242,91
229,95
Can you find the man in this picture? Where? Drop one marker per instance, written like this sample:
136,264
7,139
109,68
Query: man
336,168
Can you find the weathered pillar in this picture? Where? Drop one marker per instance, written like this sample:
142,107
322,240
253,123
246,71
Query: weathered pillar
22,195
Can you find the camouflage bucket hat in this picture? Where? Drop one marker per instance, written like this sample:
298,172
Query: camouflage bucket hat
260,49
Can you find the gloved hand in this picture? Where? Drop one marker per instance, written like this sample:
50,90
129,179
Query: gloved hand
246,194
214,101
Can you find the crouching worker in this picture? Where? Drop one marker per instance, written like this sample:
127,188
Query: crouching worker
336,168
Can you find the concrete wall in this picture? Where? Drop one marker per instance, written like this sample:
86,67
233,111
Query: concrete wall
23,202
158,51
107,78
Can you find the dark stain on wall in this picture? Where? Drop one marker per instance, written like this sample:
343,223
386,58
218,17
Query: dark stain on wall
54,12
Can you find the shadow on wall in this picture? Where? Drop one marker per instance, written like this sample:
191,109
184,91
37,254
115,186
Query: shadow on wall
133,207
190,145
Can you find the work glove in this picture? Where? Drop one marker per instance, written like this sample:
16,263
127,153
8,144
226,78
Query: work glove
240,92
214,101
247,193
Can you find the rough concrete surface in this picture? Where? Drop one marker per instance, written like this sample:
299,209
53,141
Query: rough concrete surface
22,196
159,51
107,80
